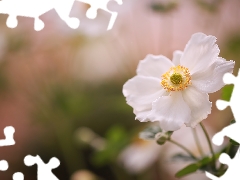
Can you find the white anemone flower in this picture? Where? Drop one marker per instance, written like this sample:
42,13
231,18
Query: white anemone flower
176,92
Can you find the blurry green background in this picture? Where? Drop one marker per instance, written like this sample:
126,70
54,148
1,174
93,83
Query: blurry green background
62,89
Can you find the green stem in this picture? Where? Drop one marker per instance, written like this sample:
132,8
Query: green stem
184,148
210,145
197,141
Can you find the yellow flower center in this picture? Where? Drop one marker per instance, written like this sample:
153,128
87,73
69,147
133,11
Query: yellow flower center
176,79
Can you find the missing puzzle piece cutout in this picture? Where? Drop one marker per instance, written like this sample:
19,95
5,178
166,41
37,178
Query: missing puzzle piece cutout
3,165
18,176
232,131
44,171
103,5
36,8
233,172
9,140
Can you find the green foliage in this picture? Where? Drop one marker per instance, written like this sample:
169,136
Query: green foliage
233,44
203,164
69,103
209,6
17,42
227,92
97,107
187,170
234,142
116,139
163,8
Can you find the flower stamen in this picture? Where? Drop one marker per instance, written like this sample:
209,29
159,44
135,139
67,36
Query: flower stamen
176,79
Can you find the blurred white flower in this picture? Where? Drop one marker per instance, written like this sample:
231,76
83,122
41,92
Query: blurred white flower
84,175
140,155
176,92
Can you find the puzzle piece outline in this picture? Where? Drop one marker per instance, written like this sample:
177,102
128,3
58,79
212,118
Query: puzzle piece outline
15,8
231,131
101,4
44,171
232,168
4,165
9,136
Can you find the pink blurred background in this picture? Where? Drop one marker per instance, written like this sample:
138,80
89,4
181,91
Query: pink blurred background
55,81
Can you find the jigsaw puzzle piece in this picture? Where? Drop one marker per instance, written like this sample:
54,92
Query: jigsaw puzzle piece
218,138
44,170
231,131
212,177
221,104
224,159
9,140
25,8
103,5
36,8
229,78
232,172
235,98
3,165
18,176
63,8
12,21
38,24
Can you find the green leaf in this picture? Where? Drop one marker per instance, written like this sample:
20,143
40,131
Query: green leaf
187,170
232,121
203,164
227,92
204,161
234,142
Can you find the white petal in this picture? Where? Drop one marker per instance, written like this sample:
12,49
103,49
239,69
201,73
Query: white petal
154,66
200,52
176,57
142,116
210,80
199,104
171,111
141,91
